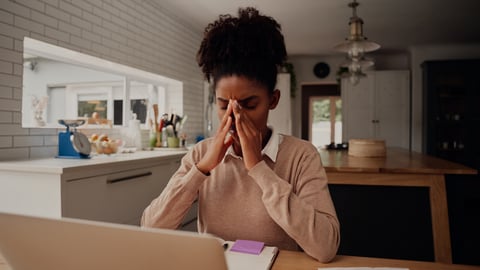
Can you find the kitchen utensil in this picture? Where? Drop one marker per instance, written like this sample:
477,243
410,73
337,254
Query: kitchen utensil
170,131
71,143
164,137
156,128
155,115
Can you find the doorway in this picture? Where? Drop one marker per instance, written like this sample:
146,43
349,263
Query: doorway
321,114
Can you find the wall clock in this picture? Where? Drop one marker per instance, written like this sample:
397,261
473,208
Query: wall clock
321,70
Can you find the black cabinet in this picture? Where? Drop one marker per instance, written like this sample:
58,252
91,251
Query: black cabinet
452,110
451,131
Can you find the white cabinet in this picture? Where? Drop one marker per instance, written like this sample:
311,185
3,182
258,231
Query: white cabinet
281,117
111,189
378,107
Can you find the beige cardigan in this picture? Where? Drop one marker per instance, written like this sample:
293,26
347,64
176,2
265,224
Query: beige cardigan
283,201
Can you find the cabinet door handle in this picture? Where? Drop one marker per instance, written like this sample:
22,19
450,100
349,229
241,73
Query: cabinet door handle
127,178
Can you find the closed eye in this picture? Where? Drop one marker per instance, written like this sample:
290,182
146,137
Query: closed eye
222,104
249,104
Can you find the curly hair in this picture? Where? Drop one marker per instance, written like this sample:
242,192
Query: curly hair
249,45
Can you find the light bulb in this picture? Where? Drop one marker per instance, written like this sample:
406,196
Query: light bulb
354,79
355,52
354,67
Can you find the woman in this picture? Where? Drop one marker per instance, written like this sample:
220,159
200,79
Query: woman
250,182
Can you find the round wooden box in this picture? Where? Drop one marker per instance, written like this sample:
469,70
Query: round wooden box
366,148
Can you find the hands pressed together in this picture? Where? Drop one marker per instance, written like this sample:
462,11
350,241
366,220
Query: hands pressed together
246,140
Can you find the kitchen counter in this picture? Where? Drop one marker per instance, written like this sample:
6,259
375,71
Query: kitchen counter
62,165
114,188
401,168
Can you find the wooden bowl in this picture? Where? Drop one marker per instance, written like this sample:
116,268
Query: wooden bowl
366,148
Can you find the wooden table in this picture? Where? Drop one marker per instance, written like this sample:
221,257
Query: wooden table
289,260
401,168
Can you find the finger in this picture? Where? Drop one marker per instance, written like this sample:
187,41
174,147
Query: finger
225,134
226,115
244,125
226,128
237,112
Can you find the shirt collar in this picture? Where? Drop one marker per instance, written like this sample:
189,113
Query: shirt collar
270,150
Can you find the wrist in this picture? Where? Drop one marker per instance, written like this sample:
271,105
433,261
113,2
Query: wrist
202,169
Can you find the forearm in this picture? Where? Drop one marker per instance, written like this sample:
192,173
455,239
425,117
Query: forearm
309,218
168,209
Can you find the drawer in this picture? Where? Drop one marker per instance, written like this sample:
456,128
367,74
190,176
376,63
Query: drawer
118,197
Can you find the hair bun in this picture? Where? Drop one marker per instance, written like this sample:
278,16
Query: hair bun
250,44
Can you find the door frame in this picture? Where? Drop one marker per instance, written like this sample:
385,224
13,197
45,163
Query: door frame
314,90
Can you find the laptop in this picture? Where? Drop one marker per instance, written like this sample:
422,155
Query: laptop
28,242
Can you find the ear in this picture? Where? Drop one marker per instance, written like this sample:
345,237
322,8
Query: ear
274,99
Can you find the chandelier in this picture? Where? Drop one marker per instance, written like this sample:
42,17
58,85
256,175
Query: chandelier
356,45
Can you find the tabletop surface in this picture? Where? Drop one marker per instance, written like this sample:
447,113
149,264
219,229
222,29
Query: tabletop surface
397,160
288,260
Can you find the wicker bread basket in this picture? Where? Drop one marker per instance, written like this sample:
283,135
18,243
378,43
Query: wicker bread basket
366,148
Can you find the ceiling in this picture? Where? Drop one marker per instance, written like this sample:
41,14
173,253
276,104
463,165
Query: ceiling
313,27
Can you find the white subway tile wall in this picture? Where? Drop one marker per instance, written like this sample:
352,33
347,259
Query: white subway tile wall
137,33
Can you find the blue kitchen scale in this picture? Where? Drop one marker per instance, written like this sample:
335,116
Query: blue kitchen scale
71,143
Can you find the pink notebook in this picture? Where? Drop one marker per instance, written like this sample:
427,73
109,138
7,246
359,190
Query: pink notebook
248,246
244,254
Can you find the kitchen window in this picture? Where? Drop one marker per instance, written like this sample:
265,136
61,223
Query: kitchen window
102,103
75,85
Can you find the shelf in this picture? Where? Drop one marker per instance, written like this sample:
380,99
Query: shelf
451,150
450,122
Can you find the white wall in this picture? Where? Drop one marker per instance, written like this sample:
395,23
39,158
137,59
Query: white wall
419,54
304,71
140,34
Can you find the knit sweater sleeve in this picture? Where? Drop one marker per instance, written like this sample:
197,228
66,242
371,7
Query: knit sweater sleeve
168,210
302,206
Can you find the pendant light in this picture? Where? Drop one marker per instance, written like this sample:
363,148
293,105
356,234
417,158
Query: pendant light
356,45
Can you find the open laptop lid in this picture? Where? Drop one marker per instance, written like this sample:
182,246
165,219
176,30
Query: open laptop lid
42,243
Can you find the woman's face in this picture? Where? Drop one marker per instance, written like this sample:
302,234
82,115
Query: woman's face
254,99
